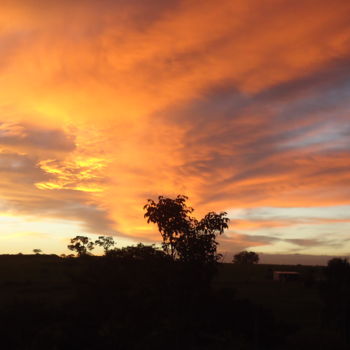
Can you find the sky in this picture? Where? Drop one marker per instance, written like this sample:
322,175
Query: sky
243,106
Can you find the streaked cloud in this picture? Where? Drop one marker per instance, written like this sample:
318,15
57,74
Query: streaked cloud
27,137
241,105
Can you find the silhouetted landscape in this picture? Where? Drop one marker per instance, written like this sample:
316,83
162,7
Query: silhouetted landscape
177,297
112,112
147,301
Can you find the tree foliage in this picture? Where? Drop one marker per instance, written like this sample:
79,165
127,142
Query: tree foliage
81,244
105,242
172,218
338,269
140,252
184,237
335,292
246,258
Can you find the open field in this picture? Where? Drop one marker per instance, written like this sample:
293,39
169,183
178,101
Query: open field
33,288
296,303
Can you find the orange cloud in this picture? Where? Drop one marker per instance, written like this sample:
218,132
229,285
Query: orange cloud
238,105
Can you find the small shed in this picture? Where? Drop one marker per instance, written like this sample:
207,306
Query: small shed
286,276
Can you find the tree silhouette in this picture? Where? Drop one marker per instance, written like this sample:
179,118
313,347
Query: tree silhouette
335,292
81,245
184,237
105,242
246,258
338,271
37,251
171,217
140,252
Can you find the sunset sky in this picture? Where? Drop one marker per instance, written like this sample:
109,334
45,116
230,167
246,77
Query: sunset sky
244,106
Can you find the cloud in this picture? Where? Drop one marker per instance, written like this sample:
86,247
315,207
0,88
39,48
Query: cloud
234,242
305,242
23,174
249,150
80,210
26,136
294,259
242,105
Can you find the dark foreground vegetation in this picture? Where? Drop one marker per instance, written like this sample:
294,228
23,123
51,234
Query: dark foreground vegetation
179,297
47,302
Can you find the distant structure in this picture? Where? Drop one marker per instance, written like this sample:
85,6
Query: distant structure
286,276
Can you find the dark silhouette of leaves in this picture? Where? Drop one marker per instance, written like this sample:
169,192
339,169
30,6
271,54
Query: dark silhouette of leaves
81,244
184,237
246,258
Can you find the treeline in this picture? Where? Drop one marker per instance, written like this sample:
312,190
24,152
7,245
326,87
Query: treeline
142,297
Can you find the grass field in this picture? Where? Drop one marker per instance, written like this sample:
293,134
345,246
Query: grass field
297,303
39,277
293,301
48,279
